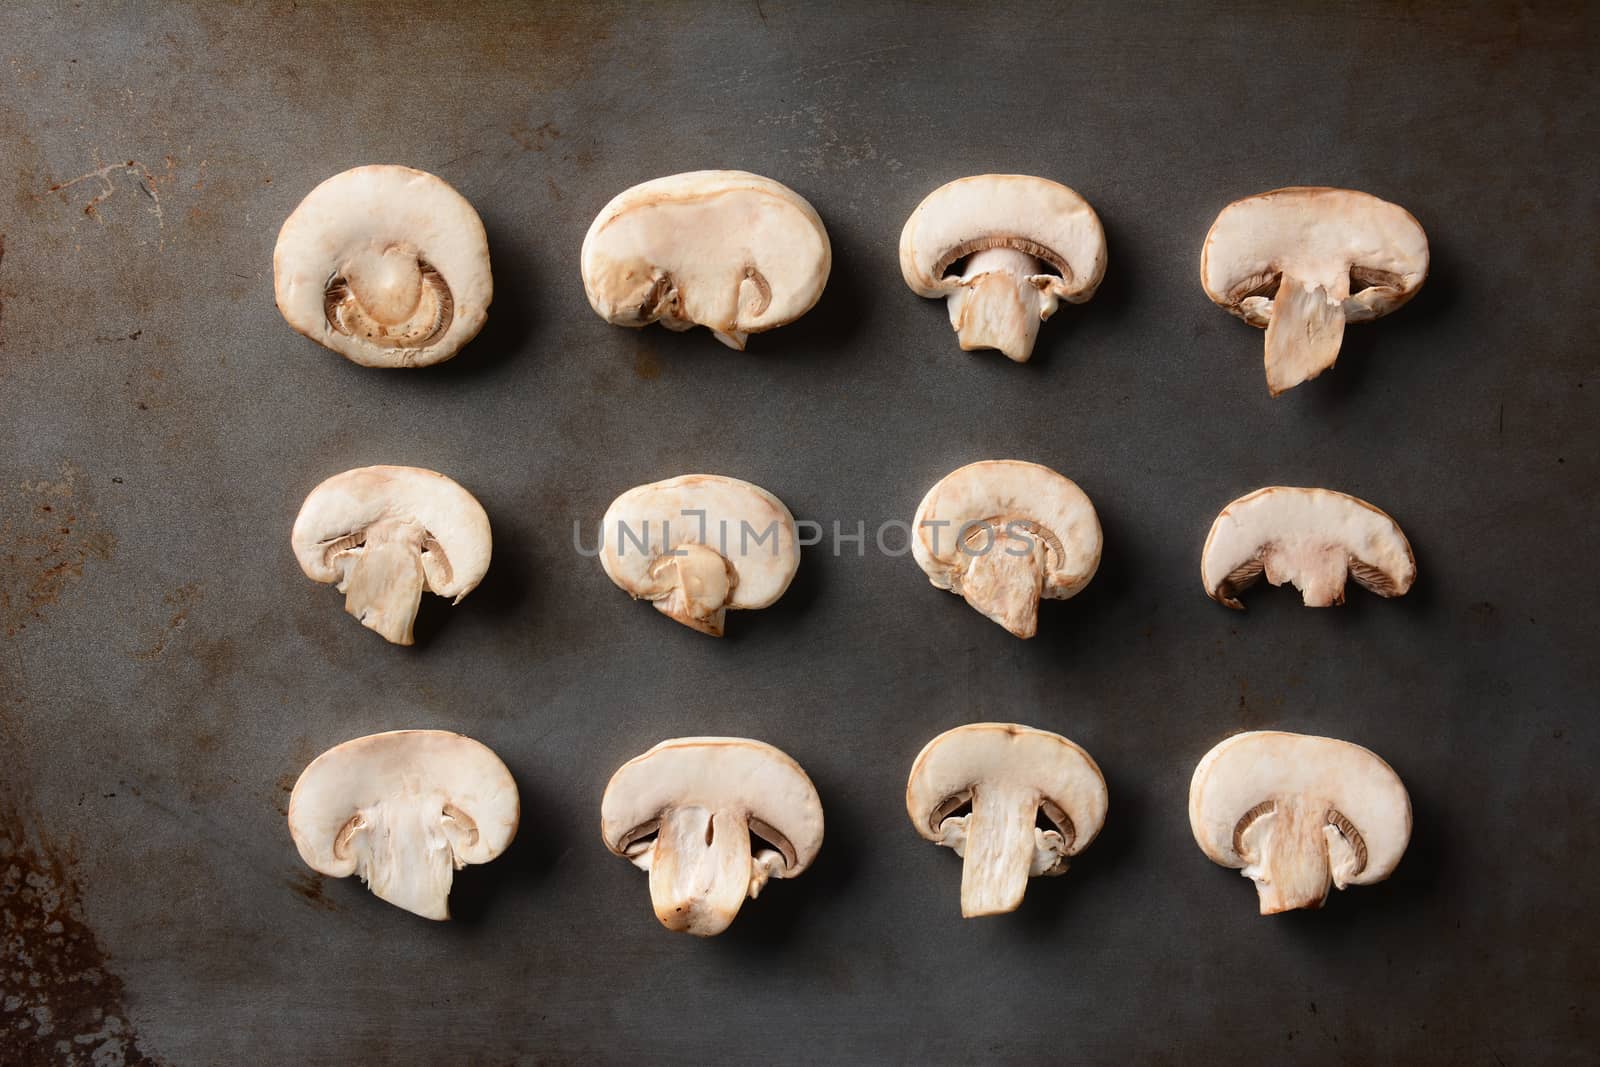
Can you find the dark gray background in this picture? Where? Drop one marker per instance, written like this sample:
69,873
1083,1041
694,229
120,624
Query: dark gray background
167,670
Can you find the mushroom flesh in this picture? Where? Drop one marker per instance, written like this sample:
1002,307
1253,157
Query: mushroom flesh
1302,262
385,534
1004,250
698,545
731,251
1012,801
1314,538
1004,533
404,810
1296,814
386,265
711,819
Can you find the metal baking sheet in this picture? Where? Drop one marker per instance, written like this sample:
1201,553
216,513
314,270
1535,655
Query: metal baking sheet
167,671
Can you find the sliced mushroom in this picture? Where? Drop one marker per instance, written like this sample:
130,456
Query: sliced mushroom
1297,813
731,251
1004,249
1302,262
1314,538
698,545
385,534
985,789
404,810
386,265
1003,533
711,819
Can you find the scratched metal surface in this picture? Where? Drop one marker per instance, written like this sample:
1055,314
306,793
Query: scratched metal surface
167,671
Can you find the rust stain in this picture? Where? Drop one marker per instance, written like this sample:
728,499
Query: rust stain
180,601
534,139
49,531
285,788
645,364
146,181
59,1002
2,303
308,886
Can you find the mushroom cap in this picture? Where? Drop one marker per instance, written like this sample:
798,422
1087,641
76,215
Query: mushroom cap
959,760
1010,488
733,775
1315,234
1380,557
707,230
1043,218
369,210
748,526
1249,768
348,503
426,766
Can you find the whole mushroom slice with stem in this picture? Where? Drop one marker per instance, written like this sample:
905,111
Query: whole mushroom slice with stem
1314,538
1295,814
731,251
1004,250
1004,533
386,265
1012,801
404,810
697,545
385,534
1302,262
711,819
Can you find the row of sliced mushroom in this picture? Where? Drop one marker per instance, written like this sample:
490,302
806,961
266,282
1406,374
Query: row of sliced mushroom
713,819
1002,534
389,266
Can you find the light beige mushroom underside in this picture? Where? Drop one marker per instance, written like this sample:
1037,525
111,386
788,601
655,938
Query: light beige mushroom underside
1043,218
732,251
1009,489
1313,538
357,499
742,522
1242,772
350,223
404,810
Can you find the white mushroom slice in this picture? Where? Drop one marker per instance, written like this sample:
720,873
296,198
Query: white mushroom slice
1296,813
1314,538
404,810
982,789
386,265
1031,243
711,819
731,251
1302,262
698,545
385,534
1003,533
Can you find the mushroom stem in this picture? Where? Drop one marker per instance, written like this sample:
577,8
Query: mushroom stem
383,585
1318,571
1001,303
1288,849
700,870
1003,576
698,585
999,849
404,855
1305,330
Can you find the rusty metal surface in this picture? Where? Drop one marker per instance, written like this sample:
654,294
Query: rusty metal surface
166,671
